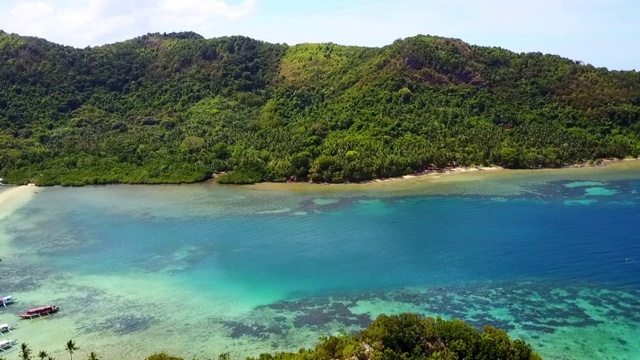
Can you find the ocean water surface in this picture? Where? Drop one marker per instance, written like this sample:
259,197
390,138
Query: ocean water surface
550,256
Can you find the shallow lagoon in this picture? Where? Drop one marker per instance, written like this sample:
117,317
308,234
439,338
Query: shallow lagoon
550,256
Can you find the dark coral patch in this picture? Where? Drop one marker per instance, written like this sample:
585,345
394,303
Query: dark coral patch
121,324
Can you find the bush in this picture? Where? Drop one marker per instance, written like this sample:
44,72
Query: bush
240,177
163,356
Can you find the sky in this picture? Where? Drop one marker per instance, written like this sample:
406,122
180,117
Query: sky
604,33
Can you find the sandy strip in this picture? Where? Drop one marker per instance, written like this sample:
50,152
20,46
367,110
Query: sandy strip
15,197
452,174
452,170
455,174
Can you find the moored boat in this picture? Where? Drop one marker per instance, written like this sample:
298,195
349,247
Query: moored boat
6,344
5,328
39,311
4,301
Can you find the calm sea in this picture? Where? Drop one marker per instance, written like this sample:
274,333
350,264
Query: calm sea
552,257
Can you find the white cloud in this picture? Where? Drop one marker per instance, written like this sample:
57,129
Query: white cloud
94,22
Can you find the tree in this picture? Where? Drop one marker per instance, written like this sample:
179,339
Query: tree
163,356
25,352
42,355
510,157
71,347
93,356
331,347
192,144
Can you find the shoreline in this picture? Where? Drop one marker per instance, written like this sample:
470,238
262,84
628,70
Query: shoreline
466,169
451,174
15,197
425,174
435,173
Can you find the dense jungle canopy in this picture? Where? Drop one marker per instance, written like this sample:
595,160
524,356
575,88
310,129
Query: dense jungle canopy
171,108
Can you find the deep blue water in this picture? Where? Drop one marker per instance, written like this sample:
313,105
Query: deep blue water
374,243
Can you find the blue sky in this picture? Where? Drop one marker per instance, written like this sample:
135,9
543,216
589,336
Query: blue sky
605,33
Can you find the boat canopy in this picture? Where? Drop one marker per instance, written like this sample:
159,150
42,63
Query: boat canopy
40,310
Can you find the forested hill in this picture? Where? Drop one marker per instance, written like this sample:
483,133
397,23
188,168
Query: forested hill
176,107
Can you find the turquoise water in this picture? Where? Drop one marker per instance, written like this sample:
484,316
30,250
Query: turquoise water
201,269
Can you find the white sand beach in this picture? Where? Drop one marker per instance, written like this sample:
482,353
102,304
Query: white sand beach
436,172
12,198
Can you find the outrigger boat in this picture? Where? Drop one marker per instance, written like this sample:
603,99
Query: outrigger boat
5,328
4,301
39,311
6,344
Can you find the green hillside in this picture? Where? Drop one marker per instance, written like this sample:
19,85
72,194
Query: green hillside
170,108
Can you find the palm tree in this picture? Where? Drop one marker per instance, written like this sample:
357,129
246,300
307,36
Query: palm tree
93,356
42,354
25,353
71,347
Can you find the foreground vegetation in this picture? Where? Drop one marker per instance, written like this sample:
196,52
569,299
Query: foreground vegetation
397,337
409,337
170,108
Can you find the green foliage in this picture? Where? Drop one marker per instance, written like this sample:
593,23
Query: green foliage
163,356
192,144
173,108
25,352
409,337
240,177
71,347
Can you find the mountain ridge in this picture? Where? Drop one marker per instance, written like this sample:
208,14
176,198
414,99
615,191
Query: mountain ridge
164,108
